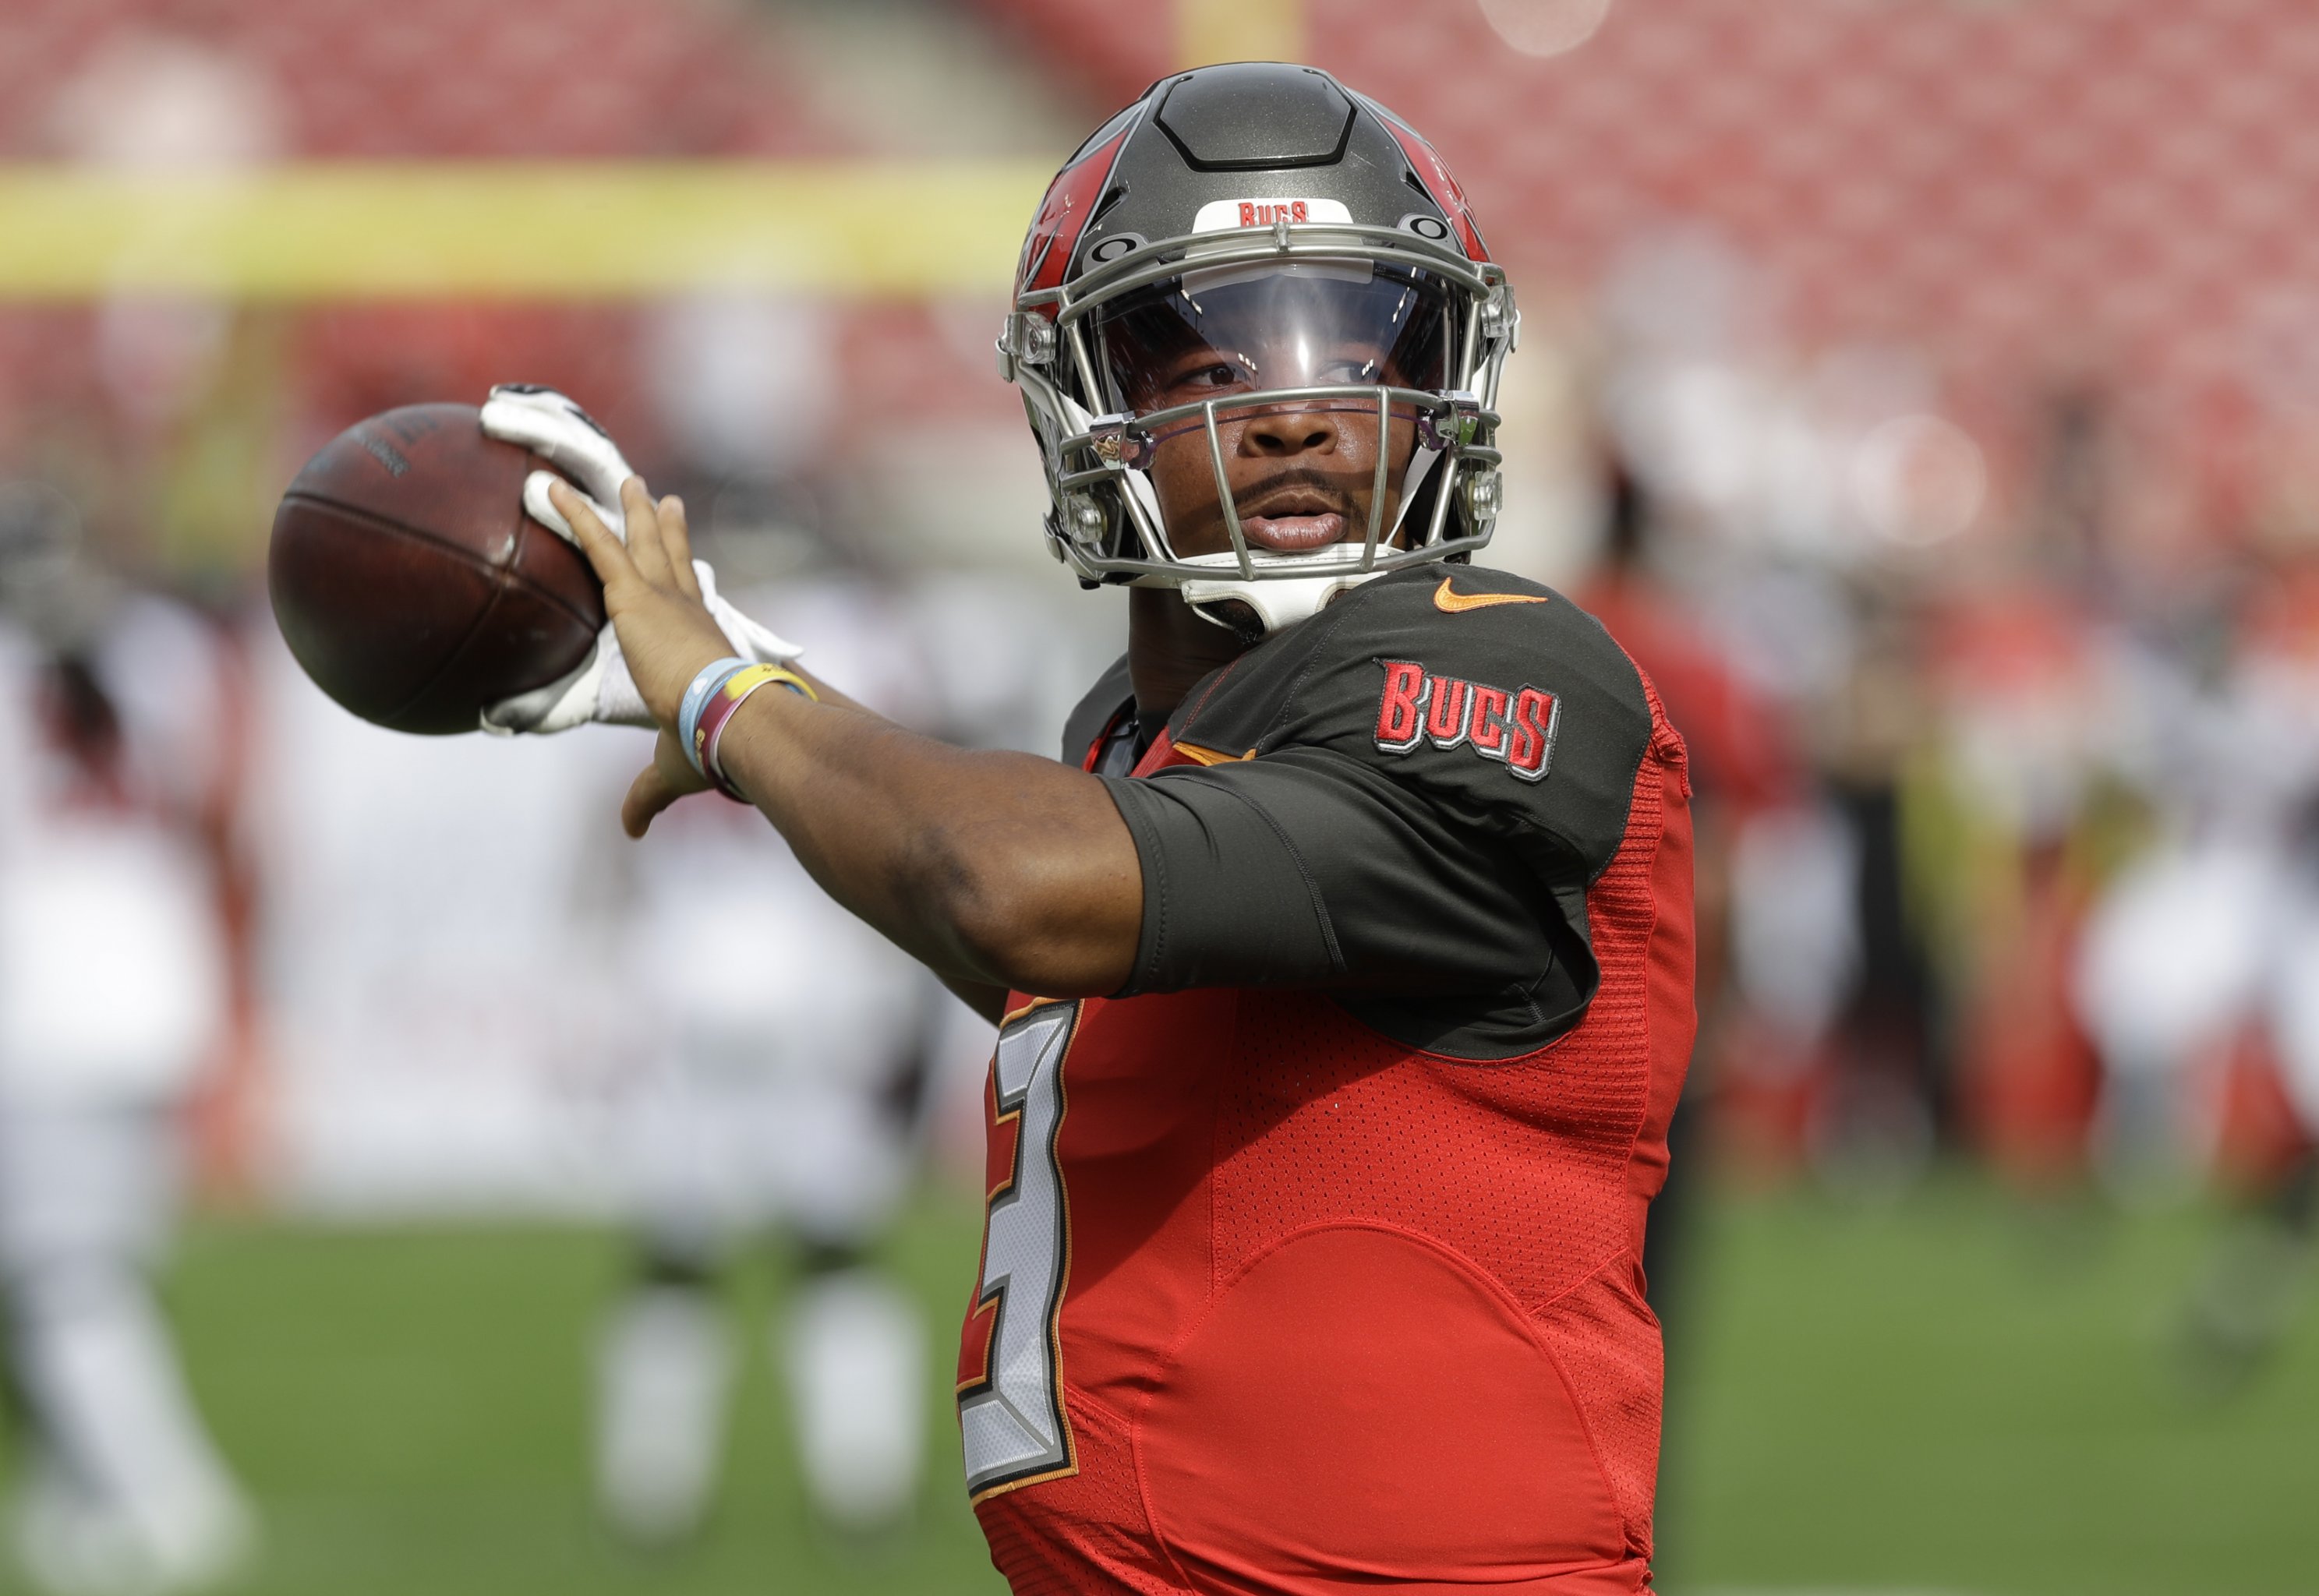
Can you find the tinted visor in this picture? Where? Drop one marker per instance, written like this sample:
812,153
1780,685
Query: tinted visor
1223,330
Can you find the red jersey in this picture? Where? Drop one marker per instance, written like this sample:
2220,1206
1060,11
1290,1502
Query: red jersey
1331,1275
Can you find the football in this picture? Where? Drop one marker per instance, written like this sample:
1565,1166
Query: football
410,585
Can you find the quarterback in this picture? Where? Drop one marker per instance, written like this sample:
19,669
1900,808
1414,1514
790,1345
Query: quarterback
1342,965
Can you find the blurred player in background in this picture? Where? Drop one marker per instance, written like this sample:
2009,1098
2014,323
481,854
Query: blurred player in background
2199,975
782,1090
116,769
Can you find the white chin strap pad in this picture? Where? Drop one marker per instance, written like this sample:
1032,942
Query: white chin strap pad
1281,602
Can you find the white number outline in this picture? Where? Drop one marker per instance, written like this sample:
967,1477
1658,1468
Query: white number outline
1013,1427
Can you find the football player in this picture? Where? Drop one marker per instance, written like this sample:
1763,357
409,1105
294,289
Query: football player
1342,965
115,718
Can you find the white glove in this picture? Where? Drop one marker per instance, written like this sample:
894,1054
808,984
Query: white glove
601,688
551,427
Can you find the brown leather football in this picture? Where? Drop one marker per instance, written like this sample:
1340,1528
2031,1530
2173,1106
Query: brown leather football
409,583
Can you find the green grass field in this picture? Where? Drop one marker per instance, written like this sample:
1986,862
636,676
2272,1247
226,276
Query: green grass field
1954,1395
1940,1395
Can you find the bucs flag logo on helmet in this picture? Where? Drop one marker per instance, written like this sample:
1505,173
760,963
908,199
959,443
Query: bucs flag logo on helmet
1063,215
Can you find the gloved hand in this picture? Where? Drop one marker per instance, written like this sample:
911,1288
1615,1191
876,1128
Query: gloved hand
599,689
559,431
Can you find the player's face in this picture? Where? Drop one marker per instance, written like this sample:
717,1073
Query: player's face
1302,473
1302,476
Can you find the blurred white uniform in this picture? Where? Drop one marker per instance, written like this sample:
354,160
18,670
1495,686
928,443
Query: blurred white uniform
2210,936
435,928
113,988
781,1019
2217,927
776,1089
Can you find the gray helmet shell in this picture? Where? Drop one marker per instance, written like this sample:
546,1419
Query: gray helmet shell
1247,163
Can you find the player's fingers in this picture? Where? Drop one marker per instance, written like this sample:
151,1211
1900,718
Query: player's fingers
648,795
676,537
605,552
669,776
645,544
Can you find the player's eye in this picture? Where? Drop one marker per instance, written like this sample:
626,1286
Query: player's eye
1198,379
1357,363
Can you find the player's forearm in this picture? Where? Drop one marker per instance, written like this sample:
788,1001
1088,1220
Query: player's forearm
998,869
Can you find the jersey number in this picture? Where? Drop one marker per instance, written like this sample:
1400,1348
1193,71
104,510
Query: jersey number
1012,1420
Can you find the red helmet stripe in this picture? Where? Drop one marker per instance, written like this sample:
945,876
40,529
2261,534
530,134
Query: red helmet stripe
1434,173
1063,215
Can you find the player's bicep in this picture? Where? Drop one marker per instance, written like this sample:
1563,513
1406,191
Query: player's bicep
1305,869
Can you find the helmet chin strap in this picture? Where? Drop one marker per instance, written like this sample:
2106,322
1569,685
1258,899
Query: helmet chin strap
1274,604
1283,601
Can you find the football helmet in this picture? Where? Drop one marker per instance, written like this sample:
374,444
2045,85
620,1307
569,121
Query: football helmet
1297,247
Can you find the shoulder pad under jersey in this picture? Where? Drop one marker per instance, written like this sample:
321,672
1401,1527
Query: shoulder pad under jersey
1493,696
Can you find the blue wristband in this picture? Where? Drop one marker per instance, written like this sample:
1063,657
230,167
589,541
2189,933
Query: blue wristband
712,676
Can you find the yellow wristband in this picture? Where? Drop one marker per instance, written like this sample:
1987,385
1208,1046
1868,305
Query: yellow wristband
709,730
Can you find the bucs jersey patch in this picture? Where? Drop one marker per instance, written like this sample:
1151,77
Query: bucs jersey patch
1516,727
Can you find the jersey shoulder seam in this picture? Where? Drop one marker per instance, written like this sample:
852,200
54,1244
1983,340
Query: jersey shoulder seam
1634,772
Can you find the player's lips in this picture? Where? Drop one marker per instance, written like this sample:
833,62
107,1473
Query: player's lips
1293,523
1294,535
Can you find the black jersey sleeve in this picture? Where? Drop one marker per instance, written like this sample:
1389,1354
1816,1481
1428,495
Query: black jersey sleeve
1404,800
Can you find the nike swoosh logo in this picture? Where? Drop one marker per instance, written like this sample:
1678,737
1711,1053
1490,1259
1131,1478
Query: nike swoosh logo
1451,603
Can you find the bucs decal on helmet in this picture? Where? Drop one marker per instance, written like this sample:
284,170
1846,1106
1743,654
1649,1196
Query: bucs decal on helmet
1516,728
1217,214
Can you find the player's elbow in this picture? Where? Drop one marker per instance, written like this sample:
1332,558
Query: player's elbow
1056,932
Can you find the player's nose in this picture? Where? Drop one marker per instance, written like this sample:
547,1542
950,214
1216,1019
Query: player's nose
1281,433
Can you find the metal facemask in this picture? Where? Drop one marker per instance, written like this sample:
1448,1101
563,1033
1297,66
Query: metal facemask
1188,343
